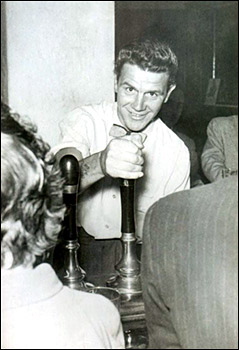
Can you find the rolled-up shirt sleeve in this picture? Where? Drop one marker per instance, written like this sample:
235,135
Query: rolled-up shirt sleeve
76,131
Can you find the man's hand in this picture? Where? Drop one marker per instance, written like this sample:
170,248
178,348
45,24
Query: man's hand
123,158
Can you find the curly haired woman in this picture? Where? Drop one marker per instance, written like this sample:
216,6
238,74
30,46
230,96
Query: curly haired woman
38,312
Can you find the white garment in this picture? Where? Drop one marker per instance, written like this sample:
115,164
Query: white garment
37,312
166,168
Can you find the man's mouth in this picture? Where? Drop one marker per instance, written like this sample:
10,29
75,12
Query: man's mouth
136,116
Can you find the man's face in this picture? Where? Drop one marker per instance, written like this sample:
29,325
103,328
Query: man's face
140,96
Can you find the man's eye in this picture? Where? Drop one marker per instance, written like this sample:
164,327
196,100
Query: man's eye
153,94
129,89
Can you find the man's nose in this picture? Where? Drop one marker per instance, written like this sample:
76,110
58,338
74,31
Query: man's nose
138,104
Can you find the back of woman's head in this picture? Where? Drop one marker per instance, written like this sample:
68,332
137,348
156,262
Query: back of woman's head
31,192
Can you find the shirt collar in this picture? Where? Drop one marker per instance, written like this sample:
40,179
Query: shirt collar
23,286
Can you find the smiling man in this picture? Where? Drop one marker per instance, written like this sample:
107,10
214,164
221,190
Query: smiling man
140,96
128,140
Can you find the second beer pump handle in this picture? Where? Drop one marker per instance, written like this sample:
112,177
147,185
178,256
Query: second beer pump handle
70,169
126,190
127,205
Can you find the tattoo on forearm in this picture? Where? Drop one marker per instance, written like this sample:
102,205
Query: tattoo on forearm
85,170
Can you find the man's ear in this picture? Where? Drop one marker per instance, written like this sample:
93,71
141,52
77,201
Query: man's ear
170,90
116,84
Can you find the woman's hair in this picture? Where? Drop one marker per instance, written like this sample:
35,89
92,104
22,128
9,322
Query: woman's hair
31,192
148,54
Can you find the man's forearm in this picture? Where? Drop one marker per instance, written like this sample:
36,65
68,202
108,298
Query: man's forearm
90,171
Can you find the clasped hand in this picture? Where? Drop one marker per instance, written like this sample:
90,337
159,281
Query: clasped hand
123,157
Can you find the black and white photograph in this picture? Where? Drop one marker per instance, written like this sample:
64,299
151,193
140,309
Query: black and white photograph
119,174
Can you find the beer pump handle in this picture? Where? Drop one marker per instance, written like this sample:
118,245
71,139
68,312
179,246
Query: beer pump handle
127,205
70,169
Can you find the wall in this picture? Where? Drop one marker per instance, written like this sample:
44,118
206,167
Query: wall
4,78
60,55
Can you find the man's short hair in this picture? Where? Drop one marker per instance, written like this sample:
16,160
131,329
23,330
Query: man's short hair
149,55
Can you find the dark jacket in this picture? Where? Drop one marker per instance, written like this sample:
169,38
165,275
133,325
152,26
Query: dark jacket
190,268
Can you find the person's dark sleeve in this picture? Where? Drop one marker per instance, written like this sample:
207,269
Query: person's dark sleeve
161,332
213,157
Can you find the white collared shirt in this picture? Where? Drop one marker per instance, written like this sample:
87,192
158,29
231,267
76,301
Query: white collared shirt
166,168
